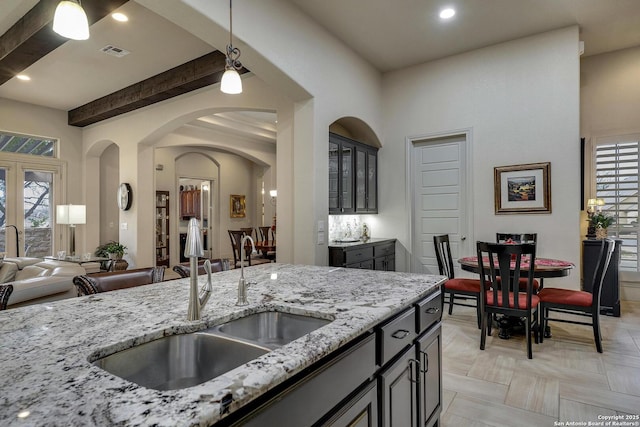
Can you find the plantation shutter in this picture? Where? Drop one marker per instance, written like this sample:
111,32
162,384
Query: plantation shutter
617,184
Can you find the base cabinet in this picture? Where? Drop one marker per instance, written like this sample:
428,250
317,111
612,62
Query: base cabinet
398,393
429,353
361,411
389,377
372,255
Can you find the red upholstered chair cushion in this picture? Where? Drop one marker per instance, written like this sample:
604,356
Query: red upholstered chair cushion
522,300
566,296
467,285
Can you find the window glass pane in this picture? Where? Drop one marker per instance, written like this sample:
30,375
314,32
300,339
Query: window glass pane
26,144
38,211
617,184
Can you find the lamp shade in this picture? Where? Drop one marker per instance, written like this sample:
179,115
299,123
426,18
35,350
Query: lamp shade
70,21
231,82
273,193
71,214
591,202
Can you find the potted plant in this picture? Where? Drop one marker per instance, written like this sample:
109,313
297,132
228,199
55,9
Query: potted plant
601,221
112,250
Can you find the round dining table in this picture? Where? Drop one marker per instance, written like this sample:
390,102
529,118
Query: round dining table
543,267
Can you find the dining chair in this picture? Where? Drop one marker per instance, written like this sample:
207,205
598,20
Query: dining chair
264,233
250,231
264,237
236,240
498,260
579,303
455,287
5,293
517,237
184,269
521,238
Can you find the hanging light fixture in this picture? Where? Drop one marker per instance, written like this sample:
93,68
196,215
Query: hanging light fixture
70,21
231,82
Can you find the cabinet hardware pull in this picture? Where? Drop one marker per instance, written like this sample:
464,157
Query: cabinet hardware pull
432,310
410,373
425,358
400,334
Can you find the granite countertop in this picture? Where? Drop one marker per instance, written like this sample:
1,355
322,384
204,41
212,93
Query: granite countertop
46,348
339,244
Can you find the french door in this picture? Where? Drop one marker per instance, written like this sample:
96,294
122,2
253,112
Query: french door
28,196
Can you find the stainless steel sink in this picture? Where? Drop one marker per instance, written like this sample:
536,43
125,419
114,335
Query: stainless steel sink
179,361
270,329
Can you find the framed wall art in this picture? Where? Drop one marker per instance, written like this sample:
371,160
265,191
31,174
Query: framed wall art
522,188
237,207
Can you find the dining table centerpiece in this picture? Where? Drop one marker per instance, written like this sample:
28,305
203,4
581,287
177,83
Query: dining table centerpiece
601,222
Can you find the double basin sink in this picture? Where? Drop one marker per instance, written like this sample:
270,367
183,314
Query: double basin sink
181,361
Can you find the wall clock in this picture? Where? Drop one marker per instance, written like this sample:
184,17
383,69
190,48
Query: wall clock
125,196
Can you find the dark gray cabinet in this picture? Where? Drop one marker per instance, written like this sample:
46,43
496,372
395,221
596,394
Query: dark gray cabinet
353,176
361,411
429,353
388,377
375,254
610,295
398,403
411,384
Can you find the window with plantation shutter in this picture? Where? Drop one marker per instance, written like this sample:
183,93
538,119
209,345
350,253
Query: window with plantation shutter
617,184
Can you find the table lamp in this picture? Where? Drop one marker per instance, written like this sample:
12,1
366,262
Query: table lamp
71,215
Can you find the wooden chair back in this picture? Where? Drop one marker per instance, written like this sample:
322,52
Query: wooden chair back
443,255
498,261
517,237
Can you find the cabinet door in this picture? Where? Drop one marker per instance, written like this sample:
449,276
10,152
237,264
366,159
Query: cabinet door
334,177
372,181
361,411
347,181
429,353
361,180
398,402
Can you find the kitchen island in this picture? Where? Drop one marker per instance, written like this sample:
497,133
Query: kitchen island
47,349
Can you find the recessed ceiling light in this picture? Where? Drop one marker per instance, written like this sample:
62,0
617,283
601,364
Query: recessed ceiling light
447,13
120,17
23,77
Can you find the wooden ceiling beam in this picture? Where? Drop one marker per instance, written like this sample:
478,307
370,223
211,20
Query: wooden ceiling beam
32,37
192,75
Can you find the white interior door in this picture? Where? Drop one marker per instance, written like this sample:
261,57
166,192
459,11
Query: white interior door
439,195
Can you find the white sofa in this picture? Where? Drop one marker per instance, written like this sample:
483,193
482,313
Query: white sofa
35,280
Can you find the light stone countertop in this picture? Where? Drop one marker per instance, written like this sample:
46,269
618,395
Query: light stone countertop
45,349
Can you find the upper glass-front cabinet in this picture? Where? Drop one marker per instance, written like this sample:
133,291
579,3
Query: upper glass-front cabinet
352,176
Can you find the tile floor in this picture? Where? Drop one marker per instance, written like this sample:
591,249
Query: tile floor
566,381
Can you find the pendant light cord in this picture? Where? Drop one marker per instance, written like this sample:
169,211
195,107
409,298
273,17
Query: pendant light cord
230,22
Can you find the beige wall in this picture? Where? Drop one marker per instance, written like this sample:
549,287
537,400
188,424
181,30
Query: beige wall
520,102
109,182
19,117
610,106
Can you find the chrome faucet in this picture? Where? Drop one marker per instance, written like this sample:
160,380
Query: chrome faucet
242,284
193,249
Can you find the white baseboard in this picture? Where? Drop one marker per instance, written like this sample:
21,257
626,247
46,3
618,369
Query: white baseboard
629,291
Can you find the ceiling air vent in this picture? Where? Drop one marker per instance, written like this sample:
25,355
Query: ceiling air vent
115,51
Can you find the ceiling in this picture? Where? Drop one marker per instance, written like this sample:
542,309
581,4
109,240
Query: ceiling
78,71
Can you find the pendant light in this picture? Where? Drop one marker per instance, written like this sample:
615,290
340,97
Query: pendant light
70,21
231,82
